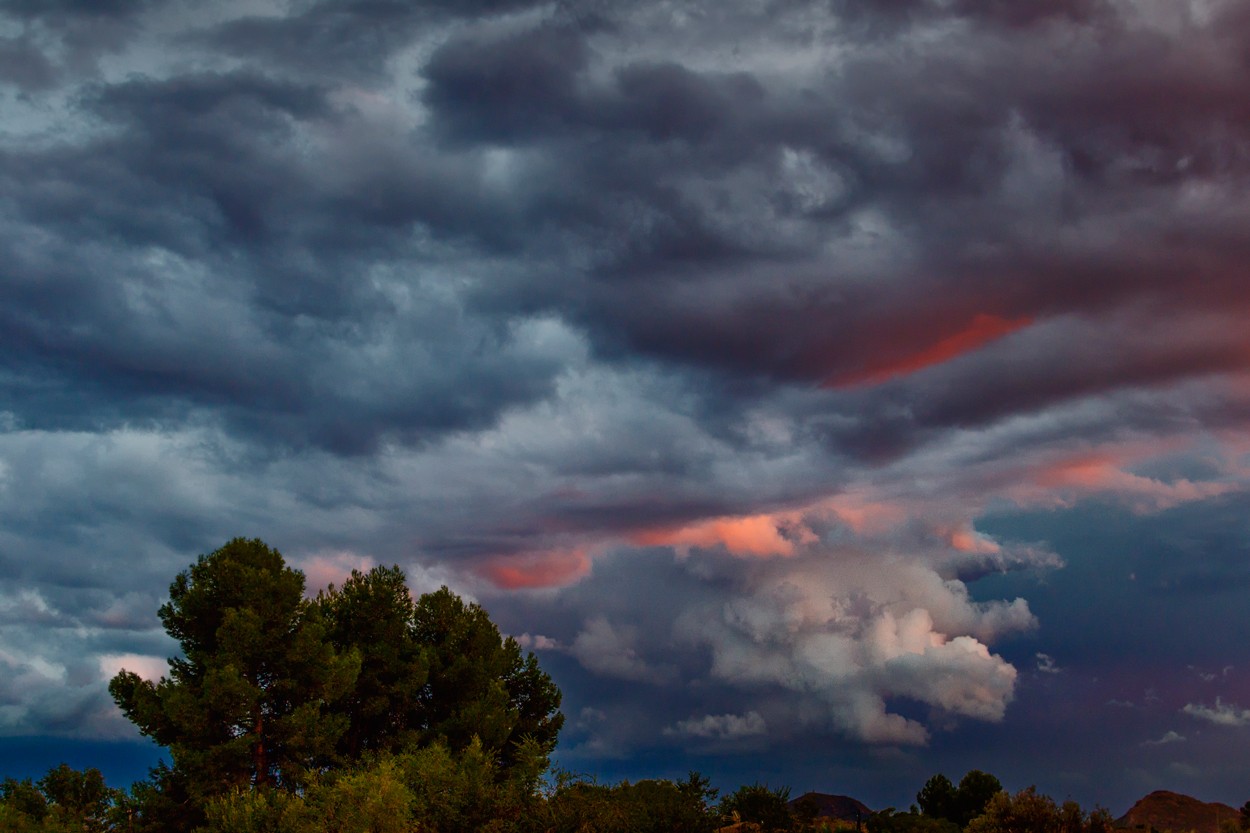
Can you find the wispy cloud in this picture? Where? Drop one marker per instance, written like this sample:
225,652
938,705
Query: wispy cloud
720,726
1046,664
1221,714
1168,737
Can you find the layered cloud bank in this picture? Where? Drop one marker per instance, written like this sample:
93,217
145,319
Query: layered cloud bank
764,364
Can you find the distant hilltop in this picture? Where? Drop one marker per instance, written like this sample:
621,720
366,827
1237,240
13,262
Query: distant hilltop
1163,810
833,806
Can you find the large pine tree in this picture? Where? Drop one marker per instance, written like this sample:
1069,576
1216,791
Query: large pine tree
272,688
436,670
248,702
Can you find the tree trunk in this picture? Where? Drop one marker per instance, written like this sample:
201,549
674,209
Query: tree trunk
259,760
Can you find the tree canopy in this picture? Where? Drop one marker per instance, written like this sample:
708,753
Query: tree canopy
757,803
434,670
940,799
273,689
248,701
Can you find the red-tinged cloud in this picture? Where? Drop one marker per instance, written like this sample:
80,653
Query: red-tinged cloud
1105,472
864,514
525,571
148,667
980,331
965,539
325,569
761,536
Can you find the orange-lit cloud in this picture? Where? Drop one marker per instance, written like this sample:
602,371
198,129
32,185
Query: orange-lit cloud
865,515
966,539
762,536
1105,472
551,568
325,569
983,329
149,667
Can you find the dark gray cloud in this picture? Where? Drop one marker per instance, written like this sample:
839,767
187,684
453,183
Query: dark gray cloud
772,366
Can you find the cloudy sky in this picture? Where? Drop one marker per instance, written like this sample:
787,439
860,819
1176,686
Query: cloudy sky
831,392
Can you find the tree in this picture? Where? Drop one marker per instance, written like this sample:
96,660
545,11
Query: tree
757,803
649,806
24,798
1028,811
698,790
159,803
436,670
247,702
937,798
78,800
667,807
65,800
940,799
1244,812
479,685
975,790
889,821
372,613
273,693
1099,820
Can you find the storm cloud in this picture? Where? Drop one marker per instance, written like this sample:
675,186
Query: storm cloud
770,366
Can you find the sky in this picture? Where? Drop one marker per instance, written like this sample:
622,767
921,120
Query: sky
829,393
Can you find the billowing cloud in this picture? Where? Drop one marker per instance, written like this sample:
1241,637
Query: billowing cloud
612,651
840,634
855,632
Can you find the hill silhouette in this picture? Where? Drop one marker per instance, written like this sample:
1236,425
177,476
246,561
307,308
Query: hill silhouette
1164,810
833,806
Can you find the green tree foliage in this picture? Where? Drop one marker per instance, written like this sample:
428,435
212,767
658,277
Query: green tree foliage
698,793
373,613
13,820
162,802
78,800
936,798
479,685
372,799
889,821
940,799
650,806
62,801
436,670
468,790
973,794
1099,820
577,805
260,809
23,797
430,790
275,697
757,803
247,702
1029,811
